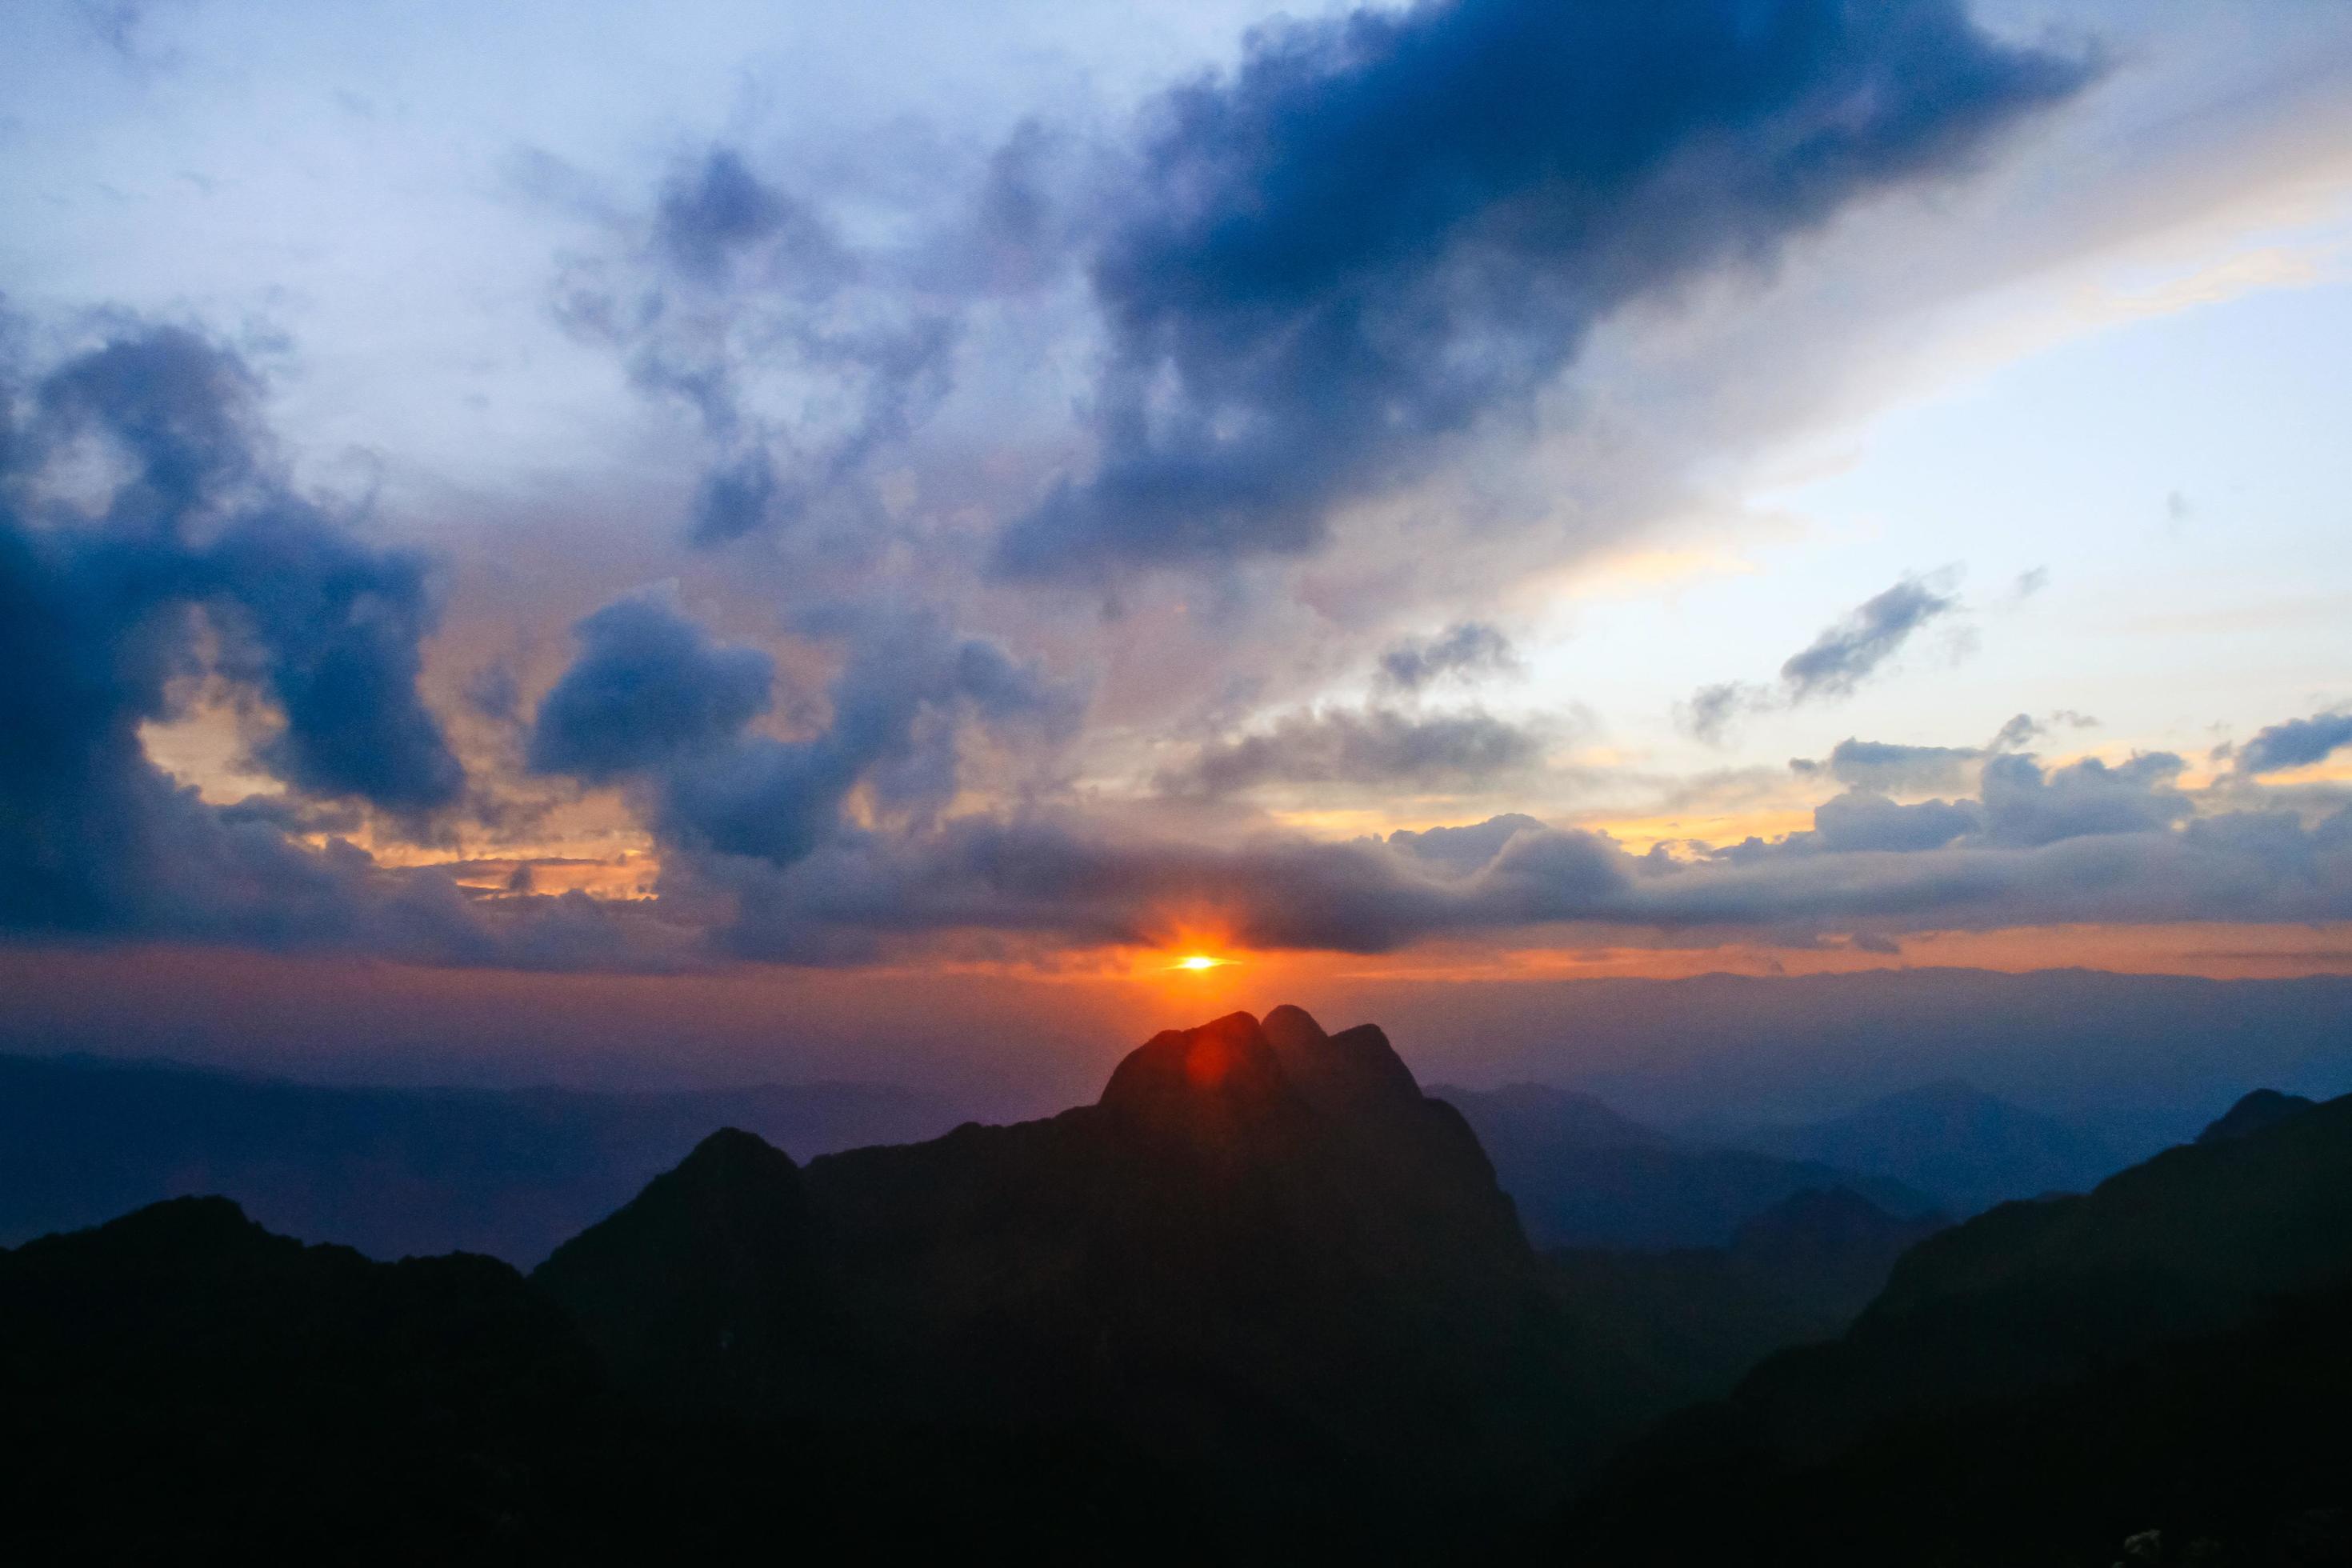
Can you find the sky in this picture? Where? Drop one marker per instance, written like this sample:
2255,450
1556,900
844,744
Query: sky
841,505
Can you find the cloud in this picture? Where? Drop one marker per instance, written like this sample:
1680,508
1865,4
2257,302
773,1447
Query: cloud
2298,742
1464,650
333,630
1884,766
1463,848
1859,819
1713,710
649,687
802,356
1368,746
1385,227
198,561
1844,655
1875,869
1831,665
652,701
719,211
2025,805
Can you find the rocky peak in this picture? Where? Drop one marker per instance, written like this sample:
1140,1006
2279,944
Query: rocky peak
1223,1071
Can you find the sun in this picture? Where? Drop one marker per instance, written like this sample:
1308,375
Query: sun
1198,962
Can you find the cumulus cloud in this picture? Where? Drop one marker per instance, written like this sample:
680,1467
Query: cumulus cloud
652,701
1463,848
201,561
1859,819
1387,225
1888,767
2025,804
650,687
1368,746
1462,651
2298,742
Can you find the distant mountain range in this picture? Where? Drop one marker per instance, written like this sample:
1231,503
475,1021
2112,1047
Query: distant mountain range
1264,1299
1582,1175
1966,1149
391,1172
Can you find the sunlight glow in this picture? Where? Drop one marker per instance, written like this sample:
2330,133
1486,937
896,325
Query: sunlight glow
1198,961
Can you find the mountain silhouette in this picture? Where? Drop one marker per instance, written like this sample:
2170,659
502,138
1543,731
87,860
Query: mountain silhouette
182,1381
265,1396
1262,1254
2168,1347
702,1290
1262,1299
1584,1176
1966,1149
2257,1113
1692,1319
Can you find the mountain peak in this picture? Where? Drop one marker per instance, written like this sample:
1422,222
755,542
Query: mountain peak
1288,1027
2262,1110
732,1149
1225,1066
1350,1074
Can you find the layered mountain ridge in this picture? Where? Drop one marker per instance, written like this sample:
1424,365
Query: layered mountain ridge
1263,1298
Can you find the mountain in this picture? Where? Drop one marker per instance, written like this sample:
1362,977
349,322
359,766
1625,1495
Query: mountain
182,1383
1966,1149
1263,1256
181,1377
1582,1175
2166,1352
390,1171
2257,1113
1692,1319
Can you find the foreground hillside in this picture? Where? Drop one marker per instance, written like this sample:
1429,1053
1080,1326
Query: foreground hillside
2170,1350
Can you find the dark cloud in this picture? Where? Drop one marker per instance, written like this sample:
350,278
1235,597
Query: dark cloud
2296,743
1371,746
2023,805
1859,819
719,211
1834,663
1463,848
801,355
739,498
649,687
652,701
201,562
1831,665
1875,869
1886,767
1385,226
178,408
1464,650
333,630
